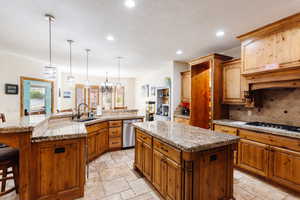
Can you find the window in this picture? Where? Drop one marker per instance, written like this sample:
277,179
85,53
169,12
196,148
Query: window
107,100
37,99
119,97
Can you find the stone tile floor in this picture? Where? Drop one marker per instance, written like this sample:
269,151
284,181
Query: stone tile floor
111,177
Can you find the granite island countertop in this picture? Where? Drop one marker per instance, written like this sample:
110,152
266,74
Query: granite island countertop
243,125
57,126
185,137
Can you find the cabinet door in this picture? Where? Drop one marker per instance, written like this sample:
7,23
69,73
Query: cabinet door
158,165
147,161
173,180
59,170
234,83
139,154
253,156
101,141
67,157
284,167
92,145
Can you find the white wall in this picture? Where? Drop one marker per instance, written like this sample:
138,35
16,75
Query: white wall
157,79
128,83
12,67
178,67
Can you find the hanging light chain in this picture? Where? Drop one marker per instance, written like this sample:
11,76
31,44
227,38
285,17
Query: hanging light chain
87,63
70,61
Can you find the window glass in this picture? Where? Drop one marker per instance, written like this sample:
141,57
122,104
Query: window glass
37,99
119,96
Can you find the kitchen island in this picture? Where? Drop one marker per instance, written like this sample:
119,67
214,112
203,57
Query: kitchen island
54,151
185,162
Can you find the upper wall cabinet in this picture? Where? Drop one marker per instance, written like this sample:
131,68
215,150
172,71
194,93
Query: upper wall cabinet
274,47
234,84
186,86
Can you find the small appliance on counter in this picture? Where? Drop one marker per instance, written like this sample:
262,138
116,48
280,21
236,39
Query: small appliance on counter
150,110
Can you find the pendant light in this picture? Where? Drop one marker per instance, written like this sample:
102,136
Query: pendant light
70,77
106,87
50,71
87,83
118,83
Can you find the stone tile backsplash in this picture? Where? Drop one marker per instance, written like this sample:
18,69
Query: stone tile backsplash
281,106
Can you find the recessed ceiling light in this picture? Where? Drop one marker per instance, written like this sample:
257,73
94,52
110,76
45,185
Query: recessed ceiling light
220,33
179,52
129,3
110,38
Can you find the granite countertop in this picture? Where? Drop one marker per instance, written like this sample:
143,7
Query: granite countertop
185,137
182,116
274,131
56,126
64,129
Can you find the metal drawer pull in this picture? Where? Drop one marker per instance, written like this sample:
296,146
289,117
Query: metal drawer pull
60,150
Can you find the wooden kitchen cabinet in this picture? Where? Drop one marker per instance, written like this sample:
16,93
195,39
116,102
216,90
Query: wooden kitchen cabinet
253,156
231,131
274,47
139,154
115,134
147,161
158,169
173,180
234,84
59,169
186,86
166,176
92,145
102,142
144,156
97,140
284,167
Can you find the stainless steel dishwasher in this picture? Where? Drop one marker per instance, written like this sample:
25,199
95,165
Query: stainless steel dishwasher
128,133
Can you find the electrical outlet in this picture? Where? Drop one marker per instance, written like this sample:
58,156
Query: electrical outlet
249,112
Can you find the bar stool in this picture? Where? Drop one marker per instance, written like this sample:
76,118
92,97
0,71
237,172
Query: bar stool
9,158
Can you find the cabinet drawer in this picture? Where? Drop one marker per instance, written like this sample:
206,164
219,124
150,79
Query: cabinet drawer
115,132
96,127
144,137
115,123
225,129
167,150
274,140
115,142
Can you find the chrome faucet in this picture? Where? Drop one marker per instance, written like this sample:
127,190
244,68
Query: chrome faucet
78,109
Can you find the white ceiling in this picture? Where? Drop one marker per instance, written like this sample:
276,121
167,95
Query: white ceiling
147,35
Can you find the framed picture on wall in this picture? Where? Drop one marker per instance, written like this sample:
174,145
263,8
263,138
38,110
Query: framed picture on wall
67,94
11,89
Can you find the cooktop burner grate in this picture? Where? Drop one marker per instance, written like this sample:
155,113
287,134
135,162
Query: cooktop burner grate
278,126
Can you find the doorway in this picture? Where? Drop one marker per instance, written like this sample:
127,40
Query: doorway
36,96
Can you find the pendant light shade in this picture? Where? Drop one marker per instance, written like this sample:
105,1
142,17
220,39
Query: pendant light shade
70,77
50,70
87,82
118,83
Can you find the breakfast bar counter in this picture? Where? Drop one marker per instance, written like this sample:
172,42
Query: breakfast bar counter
185,162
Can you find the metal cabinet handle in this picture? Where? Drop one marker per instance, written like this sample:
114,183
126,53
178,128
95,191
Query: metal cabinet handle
60,150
